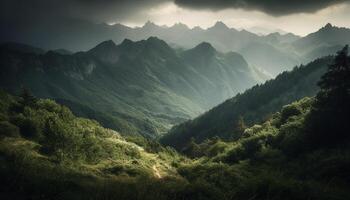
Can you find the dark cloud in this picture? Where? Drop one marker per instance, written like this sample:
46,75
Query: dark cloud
48,22
36,11
271,7
92,10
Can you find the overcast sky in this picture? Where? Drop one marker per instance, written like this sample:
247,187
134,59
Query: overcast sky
298,16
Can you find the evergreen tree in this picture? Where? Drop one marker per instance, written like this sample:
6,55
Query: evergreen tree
28,98
329,119
240,125
337,78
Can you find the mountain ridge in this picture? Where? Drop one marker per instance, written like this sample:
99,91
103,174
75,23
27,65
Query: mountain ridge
221,121
146,82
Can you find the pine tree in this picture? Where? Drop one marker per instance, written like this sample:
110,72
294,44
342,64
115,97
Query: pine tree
329,119
240,125
28,98
337,78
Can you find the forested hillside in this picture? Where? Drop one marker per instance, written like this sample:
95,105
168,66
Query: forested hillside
228,119
48,153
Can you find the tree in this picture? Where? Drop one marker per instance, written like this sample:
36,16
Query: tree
329,119
240,125
335,86
337,78
28,98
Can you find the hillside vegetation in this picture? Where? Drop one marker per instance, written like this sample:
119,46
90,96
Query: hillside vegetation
48,153
46,150
255,105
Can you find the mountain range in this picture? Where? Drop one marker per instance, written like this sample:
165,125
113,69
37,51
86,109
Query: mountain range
283,50
141,87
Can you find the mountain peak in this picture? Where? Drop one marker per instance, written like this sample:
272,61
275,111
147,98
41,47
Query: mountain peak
127,42
156,42
149,24
205,47
107,43
180,26
220,25
328,25
105,46
197,28
154,39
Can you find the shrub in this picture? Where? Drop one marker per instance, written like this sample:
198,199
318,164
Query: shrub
8,129
28,127
288,111
234,155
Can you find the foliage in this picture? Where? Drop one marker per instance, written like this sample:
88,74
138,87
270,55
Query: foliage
61,156
329,120
8,129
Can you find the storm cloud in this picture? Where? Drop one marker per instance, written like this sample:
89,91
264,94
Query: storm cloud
270,7
91,10
31,11
38,20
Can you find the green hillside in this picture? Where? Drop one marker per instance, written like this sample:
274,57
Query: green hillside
46,149
48,153
253,106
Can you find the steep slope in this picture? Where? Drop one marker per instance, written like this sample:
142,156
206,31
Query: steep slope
254,105
136,87
223,74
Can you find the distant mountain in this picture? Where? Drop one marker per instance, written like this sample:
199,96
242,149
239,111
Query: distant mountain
270,58
322,41
276,37
265,31
135,87
76,35
252,106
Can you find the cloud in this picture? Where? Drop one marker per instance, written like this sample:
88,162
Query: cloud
270,7
91,10
37,11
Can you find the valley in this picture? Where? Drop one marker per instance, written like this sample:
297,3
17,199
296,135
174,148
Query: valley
174,100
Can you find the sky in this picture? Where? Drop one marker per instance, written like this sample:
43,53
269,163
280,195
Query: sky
297,16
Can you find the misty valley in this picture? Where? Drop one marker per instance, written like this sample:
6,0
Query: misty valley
109,111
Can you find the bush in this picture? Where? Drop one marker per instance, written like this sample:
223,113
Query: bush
28,127
234,155
289,111
251,146
8,129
